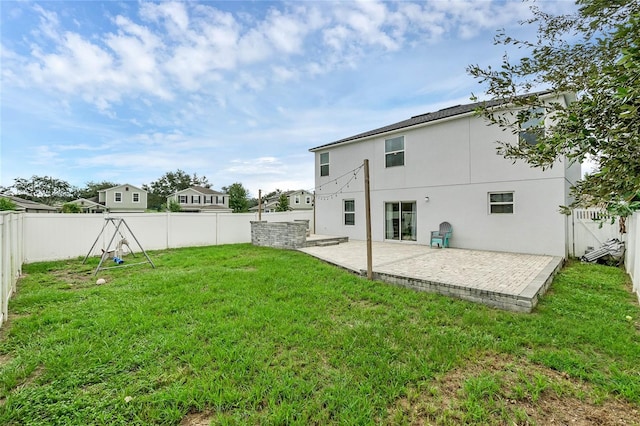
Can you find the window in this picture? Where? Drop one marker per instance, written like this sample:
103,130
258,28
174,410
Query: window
324,164
297,199
532,129
182,199
195,199
500,202
136,197
400,221
307,200
394,152
117,197
349,212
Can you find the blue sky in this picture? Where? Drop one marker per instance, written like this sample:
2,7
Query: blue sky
236,91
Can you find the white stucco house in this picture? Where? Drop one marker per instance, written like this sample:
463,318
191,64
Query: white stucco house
443,166
201,199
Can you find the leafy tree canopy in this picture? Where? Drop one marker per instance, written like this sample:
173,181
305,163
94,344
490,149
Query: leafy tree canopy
170,183
238,197
44,189
91,188
594,54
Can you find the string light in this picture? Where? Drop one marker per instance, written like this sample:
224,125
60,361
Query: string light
352,174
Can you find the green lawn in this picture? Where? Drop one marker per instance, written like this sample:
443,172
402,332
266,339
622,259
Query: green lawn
246,335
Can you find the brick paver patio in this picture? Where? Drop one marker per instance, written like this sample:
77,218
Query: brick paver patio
508,281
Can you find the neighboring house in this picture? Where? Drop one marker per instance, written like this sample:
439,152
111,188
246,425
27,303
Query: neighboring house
201,199
123,199
89,205
29,206
443,166
298,200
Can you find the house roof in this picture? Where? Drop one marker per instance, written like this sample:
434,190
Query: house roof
28,204
422,119
121,186
202,190
93,201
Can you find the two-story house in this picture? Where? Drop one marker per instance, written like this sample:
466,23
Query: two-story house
443,166
123,199
201,199
298,200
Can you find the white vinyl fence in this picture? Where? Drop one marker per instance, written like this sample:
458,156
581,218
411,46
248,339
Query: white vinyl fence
65,236
589,229
632,258
11,257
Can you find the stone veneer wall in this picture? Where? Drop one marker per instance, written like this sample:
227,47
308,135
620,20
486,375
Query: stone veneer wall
287,235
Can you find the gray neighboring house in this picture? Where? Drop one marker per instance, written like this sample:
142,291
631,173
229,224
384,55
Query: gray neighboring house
200,199
89,205
29,206
123,199
298,200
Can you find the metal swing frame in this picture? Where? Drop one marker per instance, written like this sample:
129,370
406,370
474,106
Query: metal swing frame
117,222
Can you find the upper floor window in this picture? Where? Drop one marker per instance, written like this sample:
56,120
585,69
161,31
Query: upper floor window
533,128
136,197
394,152
182,199
308,200
297,199
117,197
500,202
195,199
324,164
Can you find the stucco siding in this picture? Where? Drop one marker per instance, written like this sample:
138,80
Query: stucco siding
455,164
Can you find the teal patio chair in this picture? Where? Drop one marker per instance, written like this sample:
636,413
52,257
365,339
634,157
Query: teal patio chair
441,236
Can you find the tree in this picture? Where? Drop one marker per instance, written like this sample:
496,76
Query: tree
238,197
7,204
44,189
283,203
91,188
71,208
593,53
170,183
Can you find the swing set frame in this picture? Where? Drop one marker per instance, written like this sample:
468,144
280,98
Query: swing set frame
117,222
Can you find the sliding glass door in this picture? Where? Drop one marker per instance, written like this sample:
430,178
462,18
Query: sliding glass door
400,221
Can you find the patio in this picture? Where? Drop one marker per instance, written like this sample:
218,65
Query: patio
509,281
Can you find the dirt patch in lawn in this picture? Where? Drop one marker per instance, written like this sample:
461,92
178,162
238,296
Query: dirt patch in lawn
197,419
498,389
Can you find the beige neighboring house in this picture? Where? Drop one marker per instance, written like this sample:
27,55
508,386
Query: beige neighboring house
298,200
200,199
29,206
123,199
89,205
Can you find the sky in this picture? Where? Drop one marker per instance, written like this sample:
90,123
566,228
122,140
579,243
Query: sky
237,91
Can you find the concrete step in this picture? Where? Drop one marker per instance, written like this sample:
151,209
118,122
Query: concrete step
330,241
327,243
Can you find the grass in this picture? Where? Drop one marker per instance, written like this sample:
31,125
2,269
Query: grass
246,335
